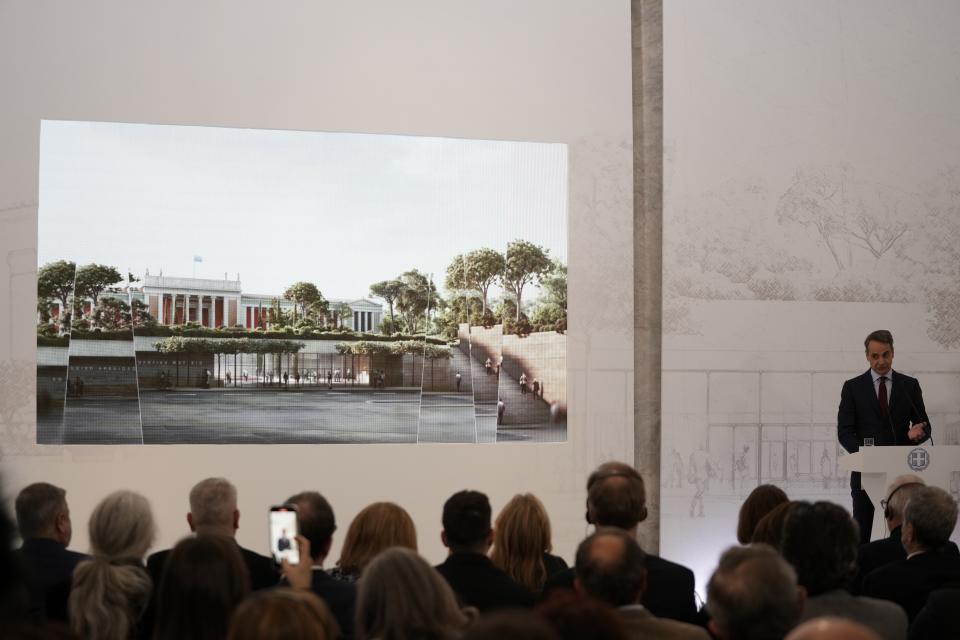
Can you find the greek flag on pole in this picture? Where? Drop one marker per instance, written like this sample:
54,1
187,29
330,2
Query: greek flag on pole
197,259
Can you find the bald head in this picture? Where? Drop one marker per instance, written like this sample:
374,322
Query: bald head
832,629
610,567
898,495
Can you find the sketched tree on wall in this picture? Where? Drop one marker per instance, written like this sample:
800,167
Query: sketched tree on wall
816,199
829,235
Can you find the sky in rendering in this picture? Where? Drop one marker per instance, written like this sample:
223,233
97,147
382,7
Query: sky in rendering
341,210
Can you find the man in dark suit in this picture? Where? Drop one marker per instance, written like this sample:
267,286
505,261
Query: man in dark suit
317,524
879,553
43,519
880,406
610,568
928,522
469,572
213,512
616,497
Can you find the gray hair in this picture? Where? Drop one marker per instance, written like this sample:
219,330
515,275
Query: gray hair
111,590
753,594
38,506
932,512
212,502
900,491
402,597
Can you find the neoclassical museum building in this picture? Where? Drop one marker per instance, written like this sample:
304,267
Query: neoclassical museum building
214,303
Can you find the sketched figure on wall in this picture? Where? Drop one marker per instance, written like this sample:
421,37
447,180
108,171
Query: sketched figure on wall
740,466
825,469
955,484
794,463
701,470
676,469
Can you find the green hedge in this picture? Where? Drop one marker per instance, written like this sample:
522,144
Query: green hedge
116,334
166,331
53,341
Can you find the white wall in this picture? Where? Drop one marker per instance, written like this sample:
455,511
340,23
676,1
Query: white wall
540,70
779,115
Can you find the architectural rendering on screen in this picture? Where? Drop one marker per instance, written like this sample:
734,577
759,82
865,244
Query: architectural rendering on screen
203,285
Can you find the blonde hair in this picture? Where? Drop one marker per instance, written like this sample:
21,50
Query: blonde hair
284,613
111,590
521,536
378,526
401,597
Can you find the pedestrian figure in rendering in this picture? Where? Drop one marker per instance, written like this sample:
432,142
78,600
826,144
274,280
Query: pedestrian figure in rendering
296,378
501,409
286,378
536,388
329,377
459,380
488,366
523,383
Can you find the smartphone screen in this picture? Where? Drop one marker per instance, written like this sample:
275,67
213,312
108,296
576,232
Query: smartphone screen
283,533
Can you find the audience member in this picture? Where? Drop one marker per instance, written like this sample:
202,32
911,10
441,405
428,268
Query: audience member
317,524
17,622
522,543
43,519
575,617
468,570
616,497
759,503
610,568
880,553
377,527
401,597
753,595
111,590
204,580
214,512
511,625
832,629
769,529
940,617
928,522
820,540
282,614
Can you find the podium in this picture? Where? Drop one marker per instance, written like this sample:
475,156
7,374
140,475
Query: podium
939,466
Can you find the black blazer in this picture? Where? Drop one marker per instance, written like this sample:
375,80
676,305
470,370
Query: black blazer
263,572
909,582
859,415
49,568
340,597
940,618
479,583
669,594
880,553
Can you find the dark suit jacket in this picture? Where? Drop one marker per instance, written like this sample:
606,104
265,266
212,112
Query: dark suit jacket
48,564
263,573
879,553
909,582
940,618
339,596
859,415
478,583
670,589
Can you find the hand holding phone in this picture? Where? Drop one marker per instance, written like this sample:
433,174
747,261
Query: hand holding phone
283,533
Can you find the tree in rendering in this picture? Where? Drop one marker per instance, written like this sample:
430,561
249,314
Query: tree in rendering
55,282
388,290
525,263
92,279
